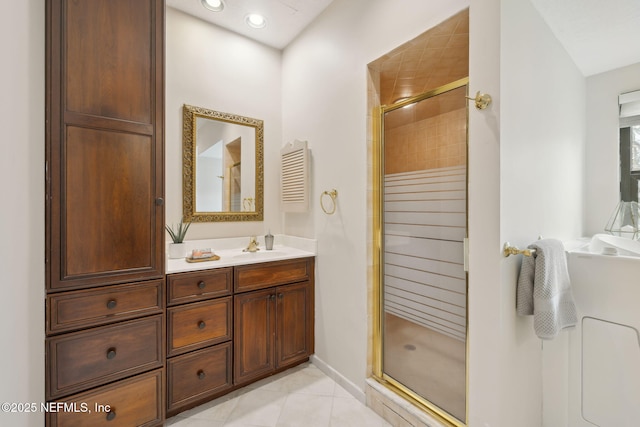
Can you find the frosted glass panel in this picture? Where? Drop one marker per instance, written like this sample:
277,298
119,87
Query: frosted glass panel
424,312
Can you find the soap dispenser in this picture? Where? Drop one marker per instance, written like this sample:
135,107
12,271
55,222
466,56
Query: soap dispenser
268,240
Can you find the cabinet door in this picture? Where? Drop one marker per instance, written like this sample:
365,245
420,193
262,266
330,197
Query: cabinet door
294,336
254,329
105,161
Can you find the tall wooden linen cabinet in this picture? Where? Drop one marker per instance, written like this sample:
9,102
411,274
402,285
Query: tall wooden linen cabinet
105,346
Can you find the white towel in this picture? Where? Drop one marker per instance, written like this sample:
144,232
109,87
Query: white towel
544,289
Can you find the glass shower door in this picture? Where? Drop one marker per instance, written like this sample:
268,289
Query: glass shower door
423,292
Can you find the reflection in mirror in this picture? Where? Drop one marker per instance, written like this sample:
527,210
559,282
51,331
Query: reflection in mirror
629,107
222,166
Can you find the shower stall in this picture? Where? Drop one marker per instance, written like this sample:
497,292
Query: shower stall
421,338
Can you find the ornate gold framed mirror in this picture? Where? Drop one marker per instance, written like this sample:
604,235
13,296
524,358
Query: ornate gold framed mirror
222,166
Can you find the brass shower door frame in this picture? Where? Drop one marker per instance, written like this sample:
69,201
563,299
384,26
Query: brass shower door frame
378,270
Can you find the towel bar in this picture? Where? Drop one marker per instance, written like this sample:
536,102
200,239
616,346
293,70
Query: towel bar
513,250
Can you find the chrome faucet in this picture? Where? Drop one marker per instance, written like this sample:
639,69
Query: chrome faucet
253,245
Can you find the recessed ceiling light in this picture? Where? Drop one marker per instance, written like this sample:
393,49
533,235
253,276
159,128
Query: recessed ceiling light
214,5
255,20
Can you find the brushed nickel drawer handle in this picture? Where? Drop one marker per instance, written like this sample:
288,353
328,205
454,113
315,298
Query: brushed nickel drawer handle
201,325
112,304
201,374
111,415
201,284
111,354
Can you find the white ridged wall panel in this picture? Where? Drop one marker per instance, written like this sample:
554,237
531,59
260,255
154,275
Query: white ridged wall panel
294,179
424,228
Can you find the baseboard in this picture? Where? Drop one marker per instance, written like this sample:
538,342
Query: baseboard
340,379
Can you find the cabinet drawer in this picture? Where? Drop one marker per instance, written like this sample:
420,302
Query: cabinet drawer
257,276
81,360
201,285
135,401
81,309
198,325
194,376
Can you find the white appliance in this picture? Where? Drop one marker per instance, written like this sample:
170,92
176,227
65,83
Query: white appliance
604,349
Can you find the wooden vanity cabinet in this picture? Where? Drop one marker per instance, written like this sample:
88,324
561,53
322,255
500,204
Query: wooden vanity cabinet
104,142
199,334
273,327
258,320
104,147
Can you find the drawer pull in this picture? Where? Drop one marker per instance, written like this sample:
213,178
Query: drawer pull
111,354
201,374
111,415
112,304
201,284
280,296
201,325
272,297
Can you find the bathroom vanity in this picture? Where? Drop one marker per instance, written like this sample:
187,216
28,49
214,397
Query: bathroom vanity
132,337
104,258
229,323
236,320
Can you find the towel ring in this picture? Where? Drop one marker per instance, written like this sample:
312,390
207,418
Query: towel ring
333,194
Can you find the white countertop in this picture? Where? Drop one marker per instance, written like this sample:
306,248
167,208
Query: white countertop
230,252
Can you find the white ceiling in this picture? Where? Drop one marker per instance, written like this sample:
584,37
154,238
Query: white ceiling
599,35
285,18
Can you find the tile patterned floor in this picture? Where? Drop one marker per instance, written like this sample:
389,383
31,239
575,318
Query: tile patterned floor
300,397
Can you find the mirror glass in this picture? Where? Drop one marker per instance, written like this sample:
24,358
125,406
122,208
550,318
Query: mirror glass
629,109
222,166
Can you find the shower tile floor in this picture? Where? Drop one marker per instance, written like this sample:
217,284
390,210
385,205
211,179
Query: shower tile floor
428,362
300,397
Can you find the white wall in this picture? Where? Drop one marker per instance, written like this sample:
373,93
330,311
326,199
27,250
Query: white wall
210,67
542,154
486,403
22,213
324,102
324,96
603,180
531,175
